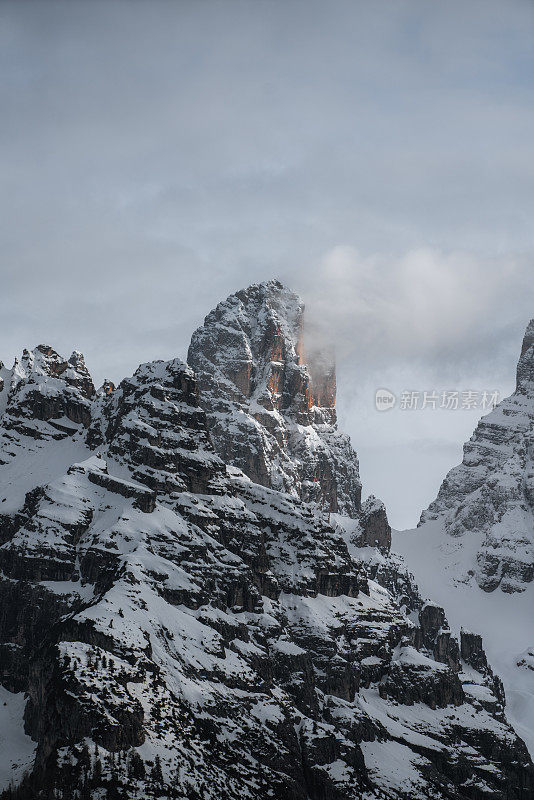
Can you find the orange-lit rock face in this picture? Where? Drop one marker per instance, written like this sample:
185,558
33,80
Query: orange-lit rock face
276,353
275,383
322,371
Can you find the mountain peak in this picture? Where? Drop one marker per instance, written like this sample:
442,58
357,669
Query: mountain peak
258,374
271,286
45,362
525,366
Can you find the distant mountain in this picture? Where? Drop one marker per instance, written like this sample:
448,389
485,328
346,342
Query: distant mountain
490,496
474,548
194,603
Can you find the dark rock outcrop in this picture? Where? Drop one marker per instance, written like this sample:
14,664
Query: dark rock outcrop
375,528
472,651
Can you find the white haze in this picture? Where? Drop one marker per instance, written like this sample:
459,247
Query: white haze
424,321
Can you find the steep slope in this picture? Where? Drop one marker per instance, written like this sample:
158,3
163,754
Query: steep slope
479,533
184,632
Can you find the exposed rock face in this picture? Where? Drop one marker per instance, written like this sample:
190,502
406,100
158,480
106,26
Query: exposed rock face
491,494
436,636
217,638
472,650
376,530
277,402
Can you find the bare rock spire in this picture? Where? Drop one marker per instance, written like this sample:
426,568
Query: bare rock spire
259,379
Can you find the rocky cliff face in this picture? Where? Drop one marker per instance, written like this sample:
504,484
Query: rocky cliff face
490,497
182,631
259,382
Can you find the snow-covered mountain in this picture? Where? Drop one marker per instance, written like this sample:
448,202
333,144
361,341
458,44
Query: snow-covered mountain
270,399
490,496
473,550
195,605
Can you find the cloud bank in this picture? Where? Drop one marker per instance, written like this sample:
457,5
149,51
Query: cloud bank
435,307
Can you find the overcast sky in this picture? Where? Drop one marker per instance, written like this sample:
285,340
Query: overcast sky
378,157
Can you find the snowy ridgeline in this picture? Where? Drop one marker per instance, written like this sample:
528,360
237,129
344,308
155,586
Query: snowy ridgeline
172,626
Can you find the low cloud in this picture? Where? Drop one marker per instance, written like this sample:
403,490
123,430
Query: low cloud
426,306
